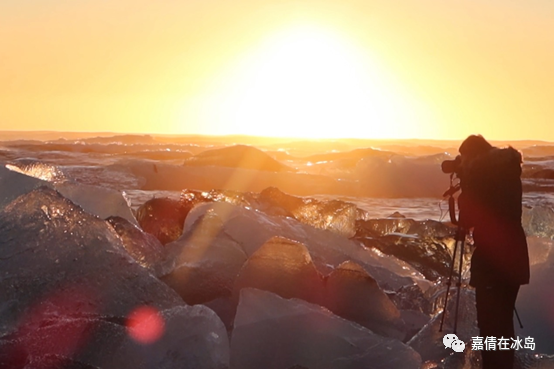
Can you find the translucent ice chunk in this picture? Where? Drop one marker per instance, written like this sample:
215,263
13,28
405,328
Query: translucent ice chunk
142,246
14,184
251,229
538,221
65,271
37,169
100,201
539,249
186,337
284,267
334,215
207,262
535,306
429,340
163,217
295,332
352,293
422,229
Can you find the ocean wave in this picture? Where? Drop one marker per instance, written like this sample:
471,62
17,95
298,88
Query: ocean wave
154,151
147,163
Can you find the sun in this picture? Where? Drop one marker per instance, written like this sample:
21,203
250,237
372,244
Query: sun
307,81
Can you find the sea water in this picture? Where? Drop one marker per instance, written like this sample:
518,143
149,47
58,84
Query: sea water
380,177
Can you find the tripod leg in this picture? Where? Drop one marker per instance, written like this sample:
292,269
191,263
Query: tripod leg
449,282
518,320
459,283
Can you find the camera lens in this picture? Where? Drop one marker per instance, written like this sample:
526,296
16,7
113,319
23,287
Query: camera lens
448,166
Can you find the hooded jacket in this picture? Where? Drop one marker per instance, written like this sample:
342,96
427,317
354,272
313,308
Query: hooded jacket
491,202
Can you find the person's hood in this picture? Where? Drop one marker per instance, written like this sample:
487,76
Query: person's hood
497,162
504,157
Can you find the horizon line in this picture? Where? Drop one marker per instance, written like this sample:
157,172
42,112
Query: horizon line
247,136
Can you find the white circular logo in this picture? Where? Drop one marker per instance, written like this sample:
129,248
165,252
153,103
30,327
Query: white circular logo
458,346
448,339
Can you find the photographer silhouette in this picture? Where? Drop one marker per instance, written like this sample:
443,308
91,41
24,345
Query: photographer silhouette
490,203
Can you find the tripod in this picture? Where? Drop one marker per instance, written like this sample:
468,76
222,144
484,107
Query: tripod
460,241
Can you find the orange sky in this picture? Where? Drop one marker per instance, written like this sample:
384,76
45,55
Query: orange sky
376,69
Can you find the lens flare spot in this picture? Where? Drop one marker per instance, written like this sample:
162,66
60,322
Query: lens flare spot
145,325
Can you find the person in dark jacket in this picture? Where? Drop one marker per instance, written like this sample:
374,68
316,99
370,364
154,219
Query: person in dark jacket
490,203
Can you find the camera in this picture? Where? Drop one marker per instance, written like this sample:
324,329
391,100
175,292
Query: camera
452,166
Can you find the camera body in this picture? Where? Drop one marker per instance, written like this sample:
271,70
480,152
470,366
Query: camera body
452,166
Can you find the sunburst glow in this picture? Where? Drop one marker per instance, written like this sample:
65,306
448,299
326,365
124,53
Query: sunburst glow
308,82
